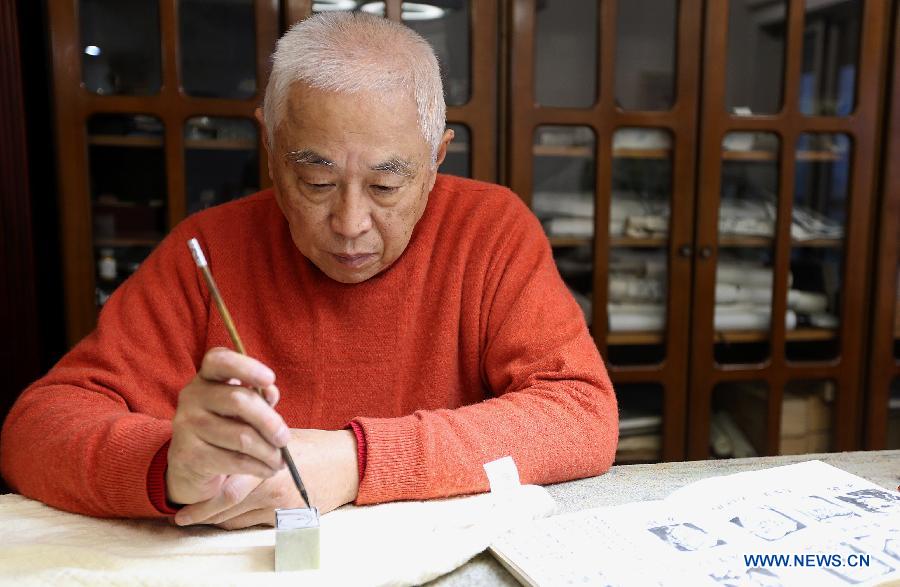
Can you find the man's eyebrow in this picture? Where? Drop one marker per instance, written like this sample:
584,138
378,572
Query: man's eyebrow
397,166
308,157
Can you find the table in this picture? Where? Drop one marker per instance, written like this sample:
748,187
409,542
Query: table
627,483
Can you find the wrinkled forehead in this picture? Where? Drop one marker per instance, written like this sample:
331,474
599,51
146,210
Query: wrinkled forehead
390,105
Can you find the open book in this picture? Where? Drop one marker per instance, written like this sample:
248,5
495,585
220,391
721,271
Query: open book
803,524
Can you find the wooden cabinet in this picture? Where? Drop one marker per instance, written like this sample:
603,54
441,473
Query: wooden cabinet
882,422
712,212
704,171
586,141
816,172
152,121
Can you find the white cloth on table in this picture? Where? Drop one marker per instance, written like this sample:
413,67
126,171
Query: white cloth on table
403,543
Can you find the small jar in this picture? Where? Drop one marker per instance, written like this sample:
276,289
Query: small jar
107,265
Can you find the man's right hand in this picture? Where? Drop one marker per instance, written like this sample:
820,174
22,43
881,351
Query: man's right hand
222,426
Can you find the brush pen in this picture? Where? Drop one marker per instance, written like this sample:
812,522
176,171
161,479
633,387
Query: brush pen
200,260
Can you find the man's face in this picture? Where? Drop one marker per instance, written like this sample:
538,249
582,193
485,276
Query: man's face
352,174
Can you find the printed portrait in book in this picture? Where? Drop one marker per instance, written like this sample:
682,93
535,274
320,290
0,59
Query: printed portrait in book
767,523
686,537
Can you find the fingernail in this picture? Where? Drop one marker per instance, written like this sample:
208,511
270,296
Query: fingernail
183,520
265,373
272,395
283,436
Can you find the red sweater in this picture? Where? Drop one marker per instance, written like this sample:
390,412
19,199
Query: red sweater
467,349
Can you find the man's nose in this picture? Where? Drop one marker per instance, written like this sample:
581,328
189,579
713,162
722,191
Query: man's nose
351,216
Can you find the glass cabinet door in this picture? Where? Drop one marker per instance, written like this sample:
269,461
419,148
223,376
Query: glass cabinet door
221,160
893,415
640,203
566,39
645,54
897,318
830,57
218,48
746,227
819,214
128,194
756,49
564,198
120,44
446,26
459,156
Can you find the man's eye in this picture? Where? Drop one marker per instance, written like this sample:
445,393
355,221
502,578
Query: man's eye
385,189
318,186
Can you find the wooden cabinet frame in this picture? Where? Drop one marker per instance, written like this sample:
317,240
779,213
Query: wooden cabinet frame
883,366
74,105
604,118
862,127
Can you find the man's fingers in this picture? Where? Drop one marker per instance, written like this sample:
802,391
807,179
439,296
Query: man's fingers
221,364
249,407
219,461
252,518
235,436
272,395
230,499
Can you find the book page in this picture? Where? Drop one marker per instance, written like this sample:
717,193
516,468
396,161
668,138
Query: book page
808,523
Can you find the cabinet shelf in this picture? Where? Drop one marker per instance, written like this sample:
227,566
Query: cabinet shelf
634,338
650,242
616,241
798,335
765,242
663,153
588,152
656,242
125,204
773,156
136,240
153,141
125,141
737,336
570,241
221,145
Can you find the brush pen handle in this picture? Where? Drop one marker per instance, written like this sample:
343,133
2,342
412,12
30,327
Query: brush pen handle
200,260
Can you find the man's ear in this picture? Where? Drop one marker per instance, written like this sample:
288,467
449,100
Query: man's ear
442,147
258,114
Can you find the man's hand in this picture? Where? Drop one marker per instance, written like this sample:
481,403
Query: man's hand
327,462
223,427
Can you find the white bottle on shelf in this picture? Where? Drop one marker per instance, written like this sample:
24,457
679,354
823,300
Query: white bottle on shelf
107,265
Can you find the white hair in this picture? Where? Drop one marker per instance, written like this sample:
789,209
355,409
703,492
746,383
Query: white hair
351,52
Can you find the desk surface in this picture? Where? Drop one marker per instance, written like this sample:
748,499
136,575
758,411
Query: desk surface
629,483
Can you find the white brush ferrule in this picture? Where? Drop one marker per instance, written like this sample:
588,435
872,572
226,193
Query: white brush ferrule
197,252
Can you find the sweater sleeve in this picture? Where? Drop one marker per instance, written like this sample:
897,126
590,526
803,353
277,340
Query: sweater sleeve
83,437
554,410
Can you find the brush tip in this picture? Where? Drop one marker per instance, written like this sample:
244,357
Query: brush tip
197,252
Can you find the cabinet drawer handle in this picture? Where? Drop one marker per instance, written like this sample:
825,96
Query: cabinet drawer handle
685,250
706,252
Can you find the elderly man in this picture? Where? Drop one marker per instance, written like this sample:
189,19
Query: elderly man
414,324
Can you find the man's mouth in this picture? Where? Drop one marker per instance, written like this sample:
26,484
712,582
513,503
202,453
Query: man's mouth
353,261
